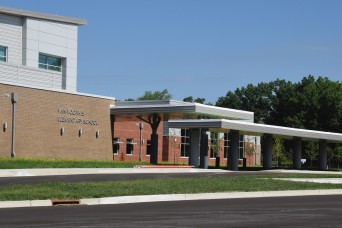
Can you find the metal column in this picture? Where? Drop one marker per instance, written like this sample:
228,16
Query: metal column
297,153
194,147
233,158
322,154
267,151
204,150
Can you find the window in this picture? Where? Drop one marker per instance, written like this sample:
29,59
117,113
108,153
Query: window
3,54
185,143
148,148
116,145
129,146
241,146
226,145
50,63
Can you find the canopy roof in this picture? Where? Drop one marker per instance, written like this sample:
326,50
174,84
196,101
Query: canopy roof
247,128
171,109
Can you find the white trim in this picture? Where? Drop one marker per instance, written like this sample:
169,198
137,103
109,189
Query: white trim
58,90
257,129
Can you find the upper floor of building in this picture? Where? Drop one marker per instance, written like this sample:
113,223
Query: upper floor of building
38,49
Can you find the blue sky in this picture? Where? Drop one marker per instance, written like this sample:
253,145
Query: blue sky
199,48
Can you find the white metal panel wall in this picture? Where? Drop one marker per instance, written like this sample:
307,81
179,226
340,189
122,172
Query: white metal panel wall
11,37
30,76
52,38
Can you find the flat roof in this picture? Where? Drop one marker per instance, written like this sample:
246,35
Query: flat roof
58,90
248,128
51,17
172,109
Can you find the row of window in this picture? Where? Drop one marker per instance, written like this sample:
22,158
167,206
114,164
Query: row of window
129,146
185,145
45,61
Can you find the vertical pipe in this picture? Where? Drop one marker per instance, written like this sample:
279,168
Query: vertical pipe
14,99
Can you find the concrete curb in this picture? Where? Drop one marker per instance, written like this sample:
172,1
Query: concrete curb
205,196
25,203
175,197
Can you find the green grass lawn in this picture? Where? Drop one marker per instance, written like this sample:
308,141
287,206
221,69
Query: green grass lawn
243,183
26,163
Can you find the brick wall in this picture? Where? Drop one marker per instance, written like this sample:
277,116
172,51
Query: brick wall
130,129
38,131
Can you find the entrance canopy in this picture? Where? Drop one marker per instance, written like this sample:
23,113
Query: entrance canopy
247,128
171,109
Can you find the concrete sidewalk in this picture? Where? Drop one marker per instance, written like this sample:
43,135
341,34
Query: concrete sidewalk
79,171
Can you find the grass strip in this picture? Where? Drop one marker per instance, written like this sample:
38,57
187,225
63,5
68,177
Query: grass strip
28,163
60,190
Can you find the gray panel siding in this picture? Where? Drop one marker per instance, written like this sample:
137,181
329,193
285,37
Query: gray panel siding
11,37
29,76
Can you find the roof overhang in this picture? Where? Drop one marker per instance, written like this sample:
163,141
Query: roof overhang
171,109
51,17
247,128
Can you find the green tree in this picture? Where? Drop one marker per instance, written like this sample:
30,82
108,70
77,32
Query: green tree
192,100
338,155
311,150
215,146
249,150
278,151
310,103
156,95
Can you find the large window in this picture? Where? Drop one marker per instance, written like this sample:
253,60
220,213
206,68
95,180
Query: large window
185,143
116,145
226,145
241,147
3,54
148,148
50,62
129,146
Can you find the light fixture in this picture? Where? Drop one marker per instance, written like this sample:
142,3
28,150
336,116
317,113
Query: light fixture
97,133
62,131
5,126
80,132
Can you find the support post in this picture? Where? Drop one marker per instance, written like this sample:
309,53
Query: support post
154,121
267,152
194,147
323,154
204,150
297,153
14,99
112,122
233,156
